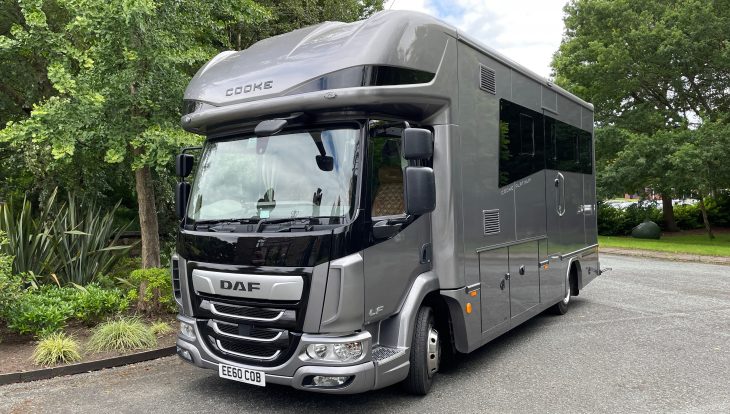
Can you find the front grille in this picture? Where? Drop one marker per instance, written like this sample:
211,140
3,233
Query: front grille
248,350
248,312
238,330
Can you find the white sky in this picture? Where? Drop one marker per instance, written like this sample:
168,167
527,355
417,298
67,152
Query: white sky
527,31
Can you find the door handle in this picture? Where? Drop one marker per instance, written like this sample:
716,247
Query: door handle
560,194
522,270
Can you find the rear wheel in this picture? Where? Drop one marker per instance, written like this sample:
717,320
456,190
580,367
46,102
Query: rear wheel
561,308
425,353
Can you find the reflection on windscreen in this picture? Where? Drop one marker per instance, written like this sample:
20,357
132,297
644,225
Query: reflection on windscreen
283,176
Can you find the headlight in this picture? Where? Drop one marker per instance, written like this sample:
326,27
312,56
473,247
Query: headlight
338,352
348,351
187,330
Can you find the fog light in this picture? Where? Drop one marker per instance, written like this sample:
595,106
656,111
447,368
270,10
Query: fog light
187,330
184,353
348,351
322,381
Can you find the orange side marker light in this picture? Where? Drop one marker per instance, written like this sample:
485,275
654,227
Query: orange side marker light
468,308
473,293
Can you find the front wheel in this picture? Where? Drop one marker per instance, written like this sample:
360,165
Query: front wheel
425,353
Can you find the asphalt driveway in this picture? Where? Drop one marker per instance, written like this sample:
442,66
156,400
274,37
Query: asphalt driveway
649,336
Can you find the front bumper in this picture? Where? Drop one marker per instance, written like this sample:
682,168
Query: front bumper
299,367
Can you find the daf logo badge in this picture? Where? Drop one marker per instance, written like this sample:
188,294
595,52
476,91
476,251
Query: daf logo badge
245,287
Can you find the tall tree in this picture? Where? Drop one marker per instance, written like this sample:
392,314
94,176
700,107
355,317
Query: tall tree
118,70
92,88
700,165
648,66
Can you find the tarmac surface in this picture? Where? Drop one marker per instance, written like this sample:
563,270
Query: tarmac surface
648,336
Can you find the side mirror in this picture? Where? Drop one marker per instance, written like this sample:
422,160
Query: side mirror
417,144
184,165
182,193
420,190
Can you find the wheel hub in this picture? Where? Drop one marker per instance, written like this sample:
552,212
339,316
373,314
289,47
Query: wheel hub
433,347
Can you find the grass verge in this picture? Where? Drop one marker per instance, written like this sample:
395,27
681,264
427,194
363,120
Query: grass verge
698,244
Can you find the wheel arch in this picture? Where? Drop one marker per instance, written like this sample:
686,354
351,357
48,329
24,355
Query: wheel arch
397,331
575,276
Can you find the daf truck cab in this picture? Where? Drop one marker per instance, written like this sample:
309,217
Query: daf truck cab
371,197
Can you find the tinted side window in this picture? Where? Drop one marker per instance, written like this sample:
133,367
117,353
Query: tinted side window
387,164
568,148
520,142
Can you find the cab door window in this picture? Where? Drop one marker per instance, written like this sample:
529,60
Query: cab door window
386,173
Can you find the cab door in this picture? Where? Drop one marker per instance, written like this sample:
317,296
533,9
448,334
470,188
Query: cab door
399,245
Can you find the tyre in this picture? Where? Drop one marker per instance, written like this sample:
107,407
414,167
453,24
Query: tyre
425,355
561,308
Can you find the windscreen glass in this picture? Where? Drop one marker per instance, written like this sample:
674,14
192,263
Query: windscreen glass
310,173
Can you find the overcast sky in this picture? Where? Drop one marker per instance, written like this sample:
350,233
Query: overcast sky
527,31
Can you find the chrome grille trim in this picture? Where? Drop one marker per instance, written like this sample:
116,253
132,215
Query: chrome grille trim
215,312
268,358
214,325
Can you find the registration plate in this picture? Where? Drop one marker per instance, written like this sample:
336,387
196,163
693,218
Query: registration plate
248,376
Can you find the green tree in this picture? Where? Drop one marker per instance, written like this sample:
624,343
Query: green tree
118,70
700,165
647,66
91,89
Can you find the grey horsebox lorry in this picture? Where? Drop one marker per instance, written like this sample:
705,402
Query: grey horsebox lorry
370,197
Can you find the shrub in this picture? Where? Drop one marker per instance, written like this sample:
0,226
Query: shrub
48,309
718,210
688,217
161,328
55,348
123,334
38,314
611,220
154,290
94,303
11,286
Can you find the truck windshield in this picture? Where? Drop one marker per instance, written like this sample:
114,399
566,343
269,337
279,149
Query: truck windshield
309,173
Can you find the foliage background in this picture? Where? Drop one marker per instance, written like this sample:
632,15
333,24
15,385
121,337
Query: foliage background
91,92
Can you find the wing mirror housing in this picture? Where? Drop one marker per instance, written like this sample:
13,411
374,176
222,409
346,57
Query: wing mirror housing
184,165
182,193
420,190
417,144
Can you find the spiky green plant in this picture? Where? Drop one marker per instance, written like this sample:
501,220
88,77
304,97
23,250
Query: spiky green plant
85,241
122,334
69,243
56,348
29,237
161,328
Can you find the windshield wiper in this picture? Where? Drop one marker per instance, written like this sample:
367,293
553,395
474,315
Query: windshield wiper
224,222
308,219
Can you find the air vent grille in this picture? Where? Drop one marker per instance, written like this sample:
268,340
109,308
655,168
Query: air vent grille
491,222
487,80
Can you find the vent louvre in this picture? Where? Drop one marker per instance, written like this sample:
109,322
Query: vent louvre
487,80
491,222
